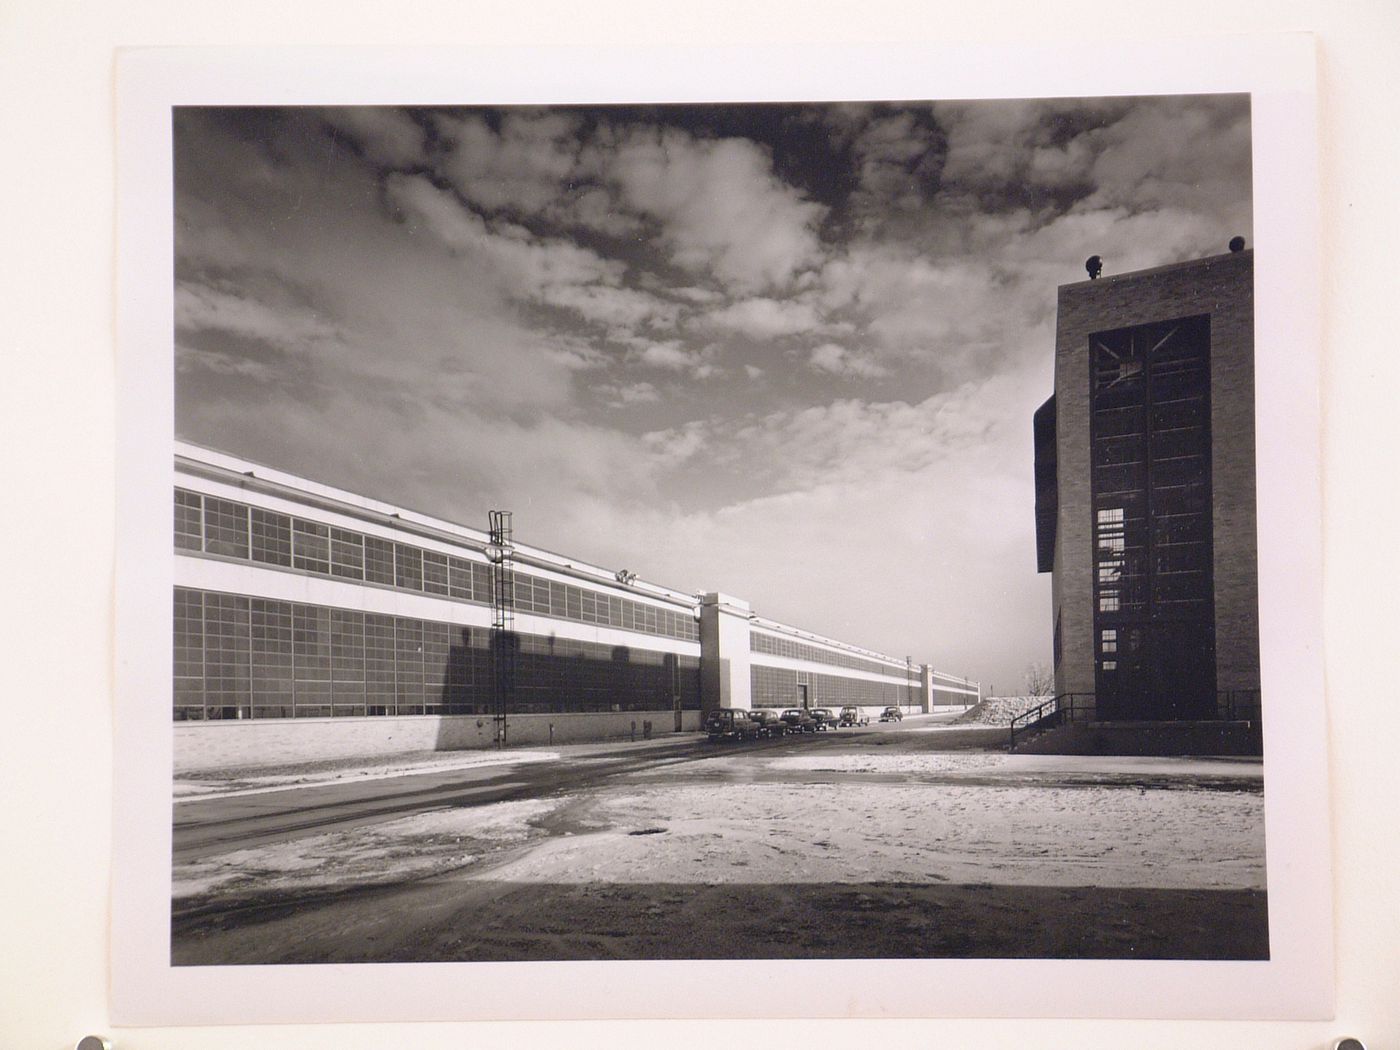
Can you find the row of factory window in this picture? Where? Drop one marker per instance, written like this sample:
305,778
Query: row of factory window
229,529
785,687
778,646
238,656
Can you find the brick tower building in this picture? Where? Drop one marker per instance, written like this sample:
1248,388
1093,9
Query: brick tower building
1145,494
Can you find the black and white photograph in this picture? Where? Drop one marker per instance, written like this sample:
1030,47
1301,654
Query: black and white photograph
770,530
622,525
723,531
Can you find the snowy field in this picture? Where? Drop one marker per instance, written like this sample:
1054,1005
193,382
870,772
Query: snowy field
843,817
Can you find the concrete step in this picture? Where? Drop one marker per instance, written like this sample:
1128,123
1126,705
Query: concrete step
1147,738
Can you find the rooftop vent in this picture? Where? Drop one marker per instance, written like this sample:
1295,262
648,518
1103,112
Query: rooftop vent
1095,267
1237,244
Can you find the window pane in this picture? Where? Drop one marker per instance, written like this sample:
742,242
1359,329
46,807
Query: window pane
459,574
189,521
225,528
408,668
408,567
347,554
379,664
311,640
272,537
379,561
272,658
311,546
189,654
227,646
434,572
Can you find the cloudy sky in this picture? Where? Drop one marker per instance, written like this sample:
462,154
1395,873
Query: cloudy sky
788,352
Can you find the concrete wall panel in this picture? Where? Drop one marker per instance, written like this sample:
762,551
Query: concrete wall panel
206,746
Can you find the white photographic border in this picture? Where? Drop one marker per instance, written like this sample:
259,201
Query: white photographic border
1278,72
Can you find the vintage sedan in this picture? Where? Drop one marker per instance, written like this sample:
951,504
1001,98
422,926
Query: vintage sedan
730,723
799,721
769,722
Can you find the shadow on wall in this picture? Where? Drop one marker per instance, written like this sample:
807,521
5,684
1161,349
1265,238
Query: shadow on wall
548,675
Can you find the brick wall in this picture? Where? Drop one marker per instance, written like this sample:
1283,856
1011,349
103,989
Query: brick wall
1221,286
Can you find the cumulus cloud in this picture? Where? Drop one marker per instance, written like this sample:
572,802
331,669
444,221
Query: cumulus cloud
524,166
839,361
760,318
848,439
387,135
615,307
675,445
675,356
519,265
285,325
722,210
899,158
1190,152
630,394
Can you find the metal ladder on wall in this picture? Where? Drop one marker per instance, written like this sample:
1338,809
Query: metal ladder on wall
501,552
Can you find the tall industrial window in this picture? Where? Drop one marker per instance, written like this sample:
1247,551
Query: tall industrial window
347,554
225,527
272,537
1152,537
435,572
237,656
379,561
189,521
311,546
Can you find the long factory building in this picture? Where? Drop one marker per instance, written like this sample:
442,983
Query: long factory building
311,622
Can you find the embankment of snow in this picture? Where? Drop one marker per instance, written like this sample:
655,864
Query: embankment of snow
998,710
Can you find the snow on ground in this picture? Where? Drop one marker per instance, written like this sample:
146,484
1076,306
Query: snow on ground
386,852
850,832
998,710
900,762
945,762
226,785
1132,823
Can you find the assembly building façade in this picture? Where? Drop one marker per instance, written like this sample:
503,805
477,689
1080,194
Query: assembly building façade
1145,502
311,622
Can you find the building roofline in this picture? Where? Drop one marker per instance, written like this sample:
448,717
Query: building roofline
1152,270
217,465
200,460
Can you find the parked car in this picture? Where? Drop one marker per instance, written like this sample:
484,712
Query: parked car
891,714
799,721
854,716
768,723
730,723
825,718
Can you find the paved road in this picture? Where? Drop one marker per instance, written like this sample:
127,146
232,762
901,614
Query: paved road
204,827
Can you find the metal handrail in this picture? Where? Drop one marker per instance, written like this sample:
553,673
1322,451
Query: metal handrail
1033,718
1231,705
1066,707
